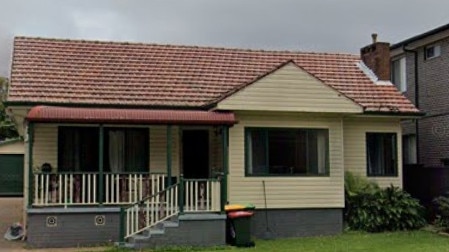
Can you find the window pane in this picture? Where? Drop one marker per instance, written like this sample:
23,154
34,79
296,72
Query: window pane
381,154
283,151
256,149
78,149
398,74
127,150
288,151
136,150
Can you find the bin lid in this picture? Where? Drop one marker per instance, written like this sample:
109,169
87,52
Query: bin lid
240,214
236,207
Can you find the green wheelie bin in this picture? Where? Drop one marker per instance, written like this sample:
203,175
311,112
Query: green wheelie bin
238,224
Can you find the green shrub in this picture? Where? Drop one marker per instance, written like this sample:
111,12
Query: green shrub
375,209
442,211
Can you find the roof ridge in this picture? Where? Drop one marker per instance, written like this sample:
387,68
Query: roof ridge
249,50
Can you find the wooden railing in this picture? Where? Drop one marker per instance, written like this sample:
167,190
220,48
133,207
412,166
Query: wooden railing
64,189
189,195
130,188
202,195
151,211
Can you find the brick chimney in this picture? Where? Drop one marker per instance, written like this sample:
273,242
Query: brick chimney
377,57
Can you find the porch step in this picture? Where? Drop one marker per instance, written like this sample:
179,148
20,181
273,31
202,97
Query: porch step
187,230
142,240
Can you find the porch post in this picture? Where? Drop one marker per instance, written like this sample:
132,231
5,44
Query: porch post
224,182
30,163
169,143
100,164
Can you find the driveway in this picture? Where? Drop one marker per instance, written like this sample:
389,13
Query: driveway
11,212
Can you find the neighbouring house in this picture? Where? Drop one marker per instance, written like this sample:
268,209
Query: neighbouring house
11,167
420,70
146,143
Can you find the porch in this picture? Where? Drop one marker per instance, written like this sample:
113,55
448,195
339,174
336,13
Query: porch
142,173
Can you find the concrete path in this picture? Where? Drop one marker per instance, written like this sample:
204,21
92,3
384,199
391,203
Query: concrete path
11,210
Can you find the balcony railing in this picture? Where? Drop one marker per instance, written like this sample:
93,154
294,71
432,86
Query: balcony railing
74,188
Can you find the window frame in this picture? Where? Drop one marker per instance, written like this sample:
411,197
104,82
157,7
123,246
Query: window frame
402,68
436,51
396,152
106,165
61,128
266,130
84,130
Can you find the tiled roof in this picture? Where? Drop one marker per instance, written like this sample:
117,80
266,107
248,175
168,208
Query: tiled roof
128,116
150,75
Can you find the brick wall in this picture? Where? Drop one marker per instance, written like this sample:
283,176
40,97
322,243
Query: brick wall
283,223
433,82
72,228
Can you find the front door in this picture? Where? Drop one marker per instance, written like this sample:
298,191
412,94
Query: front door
195,155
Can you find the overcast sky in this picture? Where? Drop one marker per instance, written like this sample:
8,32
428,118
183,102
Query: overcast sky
307,25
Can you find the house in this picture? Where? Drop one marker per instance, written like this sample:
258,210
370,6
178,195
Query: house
148,142
11,167
420,69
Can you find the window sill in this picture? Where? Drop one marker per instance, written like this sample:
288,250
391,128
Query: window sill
288,175
383,176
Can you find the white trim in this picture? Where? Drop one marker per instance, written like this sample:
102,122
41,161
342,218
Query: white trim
371,75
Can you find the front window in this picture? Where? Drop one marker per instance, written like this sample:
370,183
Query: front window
398,74
381,154
274,151
125,149
78,149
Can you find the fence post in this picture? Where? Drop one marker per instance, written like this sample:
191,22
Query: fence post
181,194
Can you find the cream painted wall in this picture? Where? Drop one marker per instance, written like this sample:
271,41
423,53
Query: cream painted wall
286,192
45,147
355,130
290,88
12,148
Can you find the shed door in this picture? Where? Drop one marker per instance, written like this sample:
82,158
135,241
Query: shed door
11,174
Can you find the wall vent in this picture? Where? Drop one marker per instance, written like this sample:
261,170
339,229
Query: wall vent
52,221
100,220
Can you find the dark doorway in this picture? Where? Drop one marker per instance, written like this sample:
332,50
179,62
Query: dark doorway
195,155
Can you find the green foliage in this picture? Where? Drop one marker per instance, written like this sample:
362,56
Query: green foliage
442,212
356,184
7,127
375,209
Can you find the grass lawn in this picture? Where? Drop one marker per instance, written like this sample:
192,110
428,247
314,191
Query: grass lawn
350,241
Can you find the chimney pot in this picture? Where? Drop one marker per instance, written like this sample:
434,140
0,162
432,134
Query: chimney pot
374,37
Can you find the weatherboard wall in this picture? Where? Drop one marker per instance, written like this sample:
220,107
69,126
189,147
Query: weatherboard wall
45,147
355,130
289,88
286,191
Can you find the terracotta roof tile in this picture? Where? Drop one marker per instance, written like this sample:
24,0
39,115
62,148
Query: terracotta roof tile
134,74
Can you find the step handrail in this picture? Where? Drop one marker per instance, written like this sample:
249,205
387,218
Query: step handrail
154,211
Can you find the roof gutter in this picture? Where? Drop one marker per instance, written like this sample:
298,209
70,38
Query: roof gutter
406,42
402,114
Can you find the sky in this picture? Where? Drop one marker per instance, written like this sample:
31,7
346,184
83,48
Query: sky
342,26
